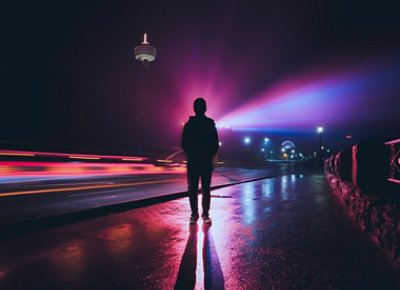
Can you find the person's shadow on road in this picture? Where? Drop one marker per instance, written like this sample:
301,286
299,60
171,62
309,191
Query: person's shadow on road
213,276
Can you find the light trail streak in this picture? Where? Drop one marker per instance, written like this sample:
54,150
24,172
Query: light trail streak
79,188
84,157
132,159
32,168
68,155
16,154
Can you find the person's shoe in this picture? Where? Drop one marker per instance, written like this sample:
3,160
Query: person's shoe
193,218
206,219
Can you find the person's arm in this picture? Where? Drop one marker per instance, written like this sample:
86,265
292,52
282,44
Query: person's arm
214,140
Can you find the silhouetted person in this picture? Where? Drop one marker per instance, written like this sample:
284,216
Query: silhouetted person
200,142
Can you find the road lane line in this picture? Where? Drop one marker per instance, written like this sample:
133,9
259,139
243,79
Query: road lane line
91,193
39,191
107,197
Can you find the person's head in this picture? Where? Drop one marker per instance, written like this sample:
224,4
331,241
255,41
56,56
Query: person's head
199,106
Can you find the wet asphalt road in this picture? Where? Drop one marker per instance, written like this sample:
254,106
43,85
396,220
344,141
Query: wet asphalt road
36,199
287,232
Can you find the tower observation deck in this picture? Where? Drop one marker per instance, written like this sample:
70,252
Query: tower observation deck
145,53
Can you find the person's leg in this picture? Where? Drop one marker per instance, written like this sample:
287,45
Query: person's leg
205,186
193,188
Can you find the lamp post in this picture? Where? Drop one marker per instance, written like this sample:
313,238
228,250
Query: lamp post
218,154
320,129
247,141
266,140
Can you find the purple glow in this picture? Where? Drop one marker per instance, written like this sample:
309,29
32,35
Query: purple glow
203,84
352,96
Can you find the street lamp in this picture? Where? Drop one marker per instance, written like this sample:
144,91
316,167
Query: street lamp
320,129
266,140
247,141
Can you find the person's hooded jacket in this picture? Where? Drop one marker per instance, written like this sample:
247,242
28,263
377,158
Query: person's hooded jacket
200,141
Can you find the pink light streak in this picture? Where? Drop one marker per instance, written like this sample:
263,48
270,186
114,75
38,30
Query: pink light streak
24,168
69,155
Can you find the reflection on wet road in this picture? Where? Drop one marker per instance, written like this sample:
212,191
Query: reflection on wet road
37,199
204,272
286,232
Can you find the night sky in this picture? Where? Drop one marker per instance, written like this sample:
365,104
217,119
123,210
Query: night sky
68,73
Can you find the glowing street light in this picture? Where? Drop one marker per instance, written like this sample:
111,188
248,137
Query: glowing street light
320,129
247,141
266,141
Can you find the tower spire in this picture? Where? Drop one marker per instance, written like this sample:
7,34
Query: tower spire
145,52
145,39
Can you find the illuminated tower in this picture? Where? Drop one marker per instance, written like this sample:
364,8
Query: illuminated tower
145,53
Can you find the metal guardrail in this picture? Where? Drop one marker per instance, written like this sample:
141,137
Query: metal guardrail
394,165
